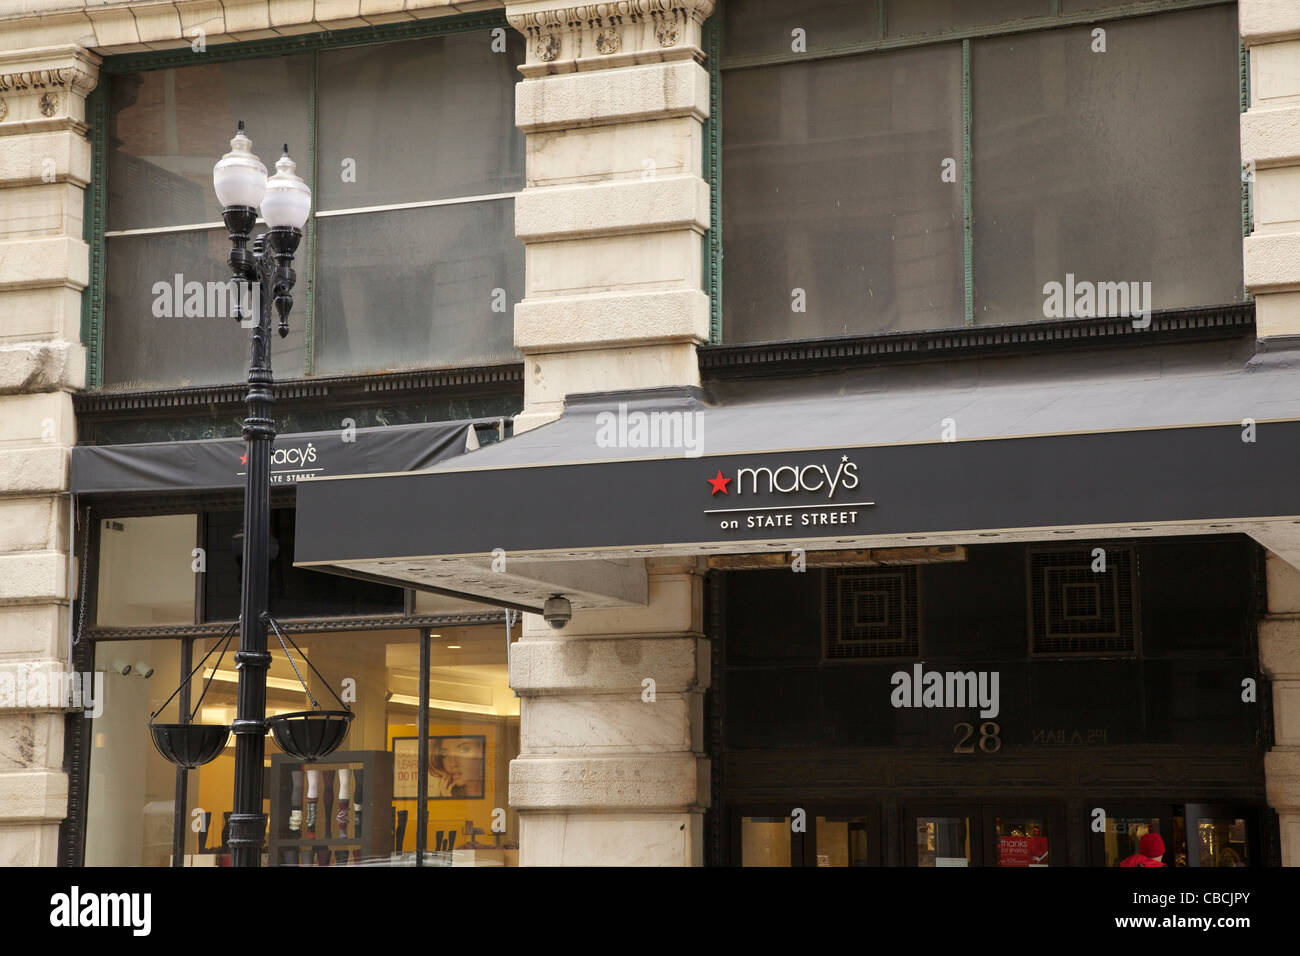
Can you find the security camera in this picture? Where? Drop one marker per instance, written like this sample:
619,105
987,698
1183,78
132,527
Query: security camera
557,611
122,667
143,670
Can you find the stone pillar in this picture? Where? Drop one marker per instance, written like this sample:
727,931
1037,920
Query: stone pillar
44,167
1270,140
615,206
611,768
1279,658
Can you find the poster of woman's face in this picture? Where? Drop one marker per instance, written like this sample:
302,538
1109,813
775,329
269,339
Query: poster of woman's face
455,767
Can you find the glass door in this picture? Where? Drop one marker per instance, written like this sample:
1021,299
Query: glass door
984,835
807,835
1025,837
938,836
846,836
764,836
1220,835
1125,826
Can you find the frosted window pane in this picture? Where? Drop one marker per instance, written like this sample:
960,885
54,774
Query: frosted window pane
1114,167
419,119
766,27
167,128
145,573
145,349
417,287
832,175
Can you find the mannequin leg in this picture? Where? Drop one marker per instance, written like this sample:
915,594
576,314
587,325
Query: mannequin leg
309,824
327,797
341,818
295,804
345,801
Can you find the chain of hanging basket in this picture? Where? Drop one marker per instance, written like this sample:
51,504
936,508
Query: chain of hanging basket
282,637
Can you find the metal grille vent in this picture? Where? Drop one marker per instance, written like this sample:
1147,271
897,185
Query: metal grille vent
1077,610
872,612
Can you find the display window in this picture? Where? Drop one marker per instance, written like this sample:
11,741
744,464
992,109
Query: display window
161,599
360,805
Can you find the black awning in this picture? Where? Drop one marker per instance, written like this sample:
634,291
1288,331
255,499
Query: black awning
217,464
936,451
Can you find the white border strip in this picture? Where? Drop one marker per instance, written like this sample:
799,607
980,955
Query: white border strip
325,214
415,205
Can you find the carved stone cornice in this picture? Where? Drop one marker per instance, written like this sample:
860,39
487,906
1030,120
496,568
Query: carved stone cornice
565,38
526,16
69,69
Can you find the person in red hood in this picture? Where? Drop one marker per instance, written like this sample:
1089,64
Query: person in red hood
1150,849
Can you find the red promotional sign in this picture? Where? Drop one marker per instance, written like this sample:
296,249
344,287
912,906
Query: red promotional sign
1022,851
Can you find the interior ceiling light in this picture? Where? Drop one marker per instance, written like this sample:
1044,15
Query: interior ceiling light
412,701
230,677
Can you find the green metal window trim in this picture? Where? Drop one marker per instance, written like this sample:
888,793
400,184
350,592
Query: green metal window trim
967,210
309,272
1053,20
713,174
1247,183
93,297
96,196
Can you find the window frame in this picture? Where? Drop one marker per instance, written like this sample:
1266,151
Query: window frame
94,296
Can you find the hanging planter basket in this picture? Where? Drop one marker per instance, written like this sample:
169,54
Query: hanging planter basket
306,735
188,744
310,734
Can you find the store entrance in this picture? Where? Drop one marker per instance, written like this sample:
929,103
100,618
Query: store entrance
984,835
812,833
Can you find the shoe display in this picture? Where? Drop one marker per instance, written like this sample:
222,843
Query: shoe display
295,821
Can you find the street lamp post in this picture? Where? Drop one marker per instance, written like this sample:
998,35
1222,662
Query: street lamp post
265,268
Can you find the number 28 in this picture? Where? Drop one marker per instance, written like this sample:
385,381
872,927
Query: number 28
990,742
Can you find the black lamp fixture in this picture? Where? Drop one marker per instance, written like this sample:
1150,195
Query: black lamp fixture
264,266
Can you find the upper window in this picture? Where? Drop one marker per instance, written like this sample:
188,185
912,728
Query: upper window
410,258
934,181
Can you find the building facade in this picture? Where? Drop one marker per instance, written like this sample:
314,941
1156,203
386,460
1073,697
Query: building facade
978,319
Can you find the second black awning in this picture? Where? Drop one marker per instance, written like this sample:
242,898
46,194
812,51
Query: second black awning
217,464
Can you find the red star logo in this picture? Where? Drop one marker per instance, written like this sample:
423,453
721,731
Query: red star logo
243,459
719,483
